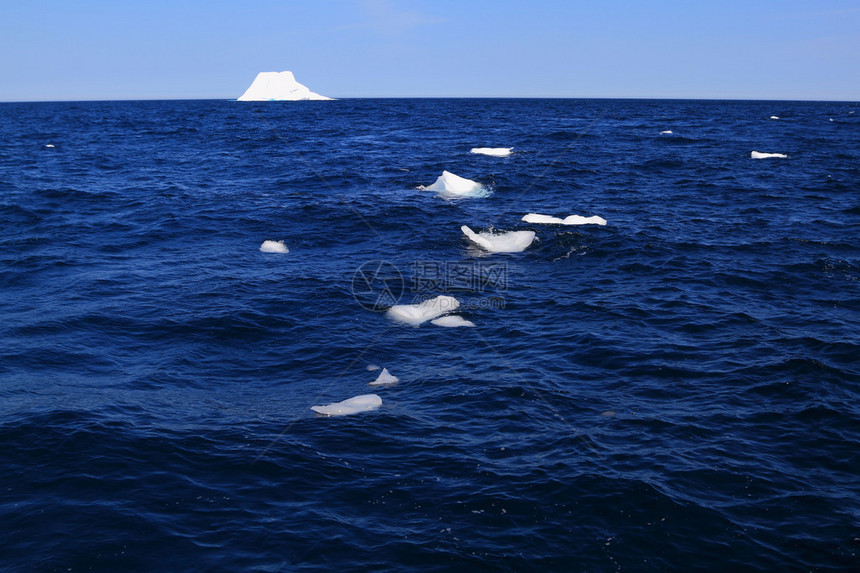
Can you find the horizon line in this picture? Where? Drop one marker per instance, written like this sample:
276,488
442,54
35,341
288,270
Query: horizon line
648,98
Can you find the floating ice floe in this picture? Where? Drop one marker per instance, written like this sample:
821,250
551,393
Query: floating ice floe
774,117
274,247
452,321
666,132
415,314
49,145
569,220
278,86
760,155
372,367
509,242
385,378
494,151
363,403
455,186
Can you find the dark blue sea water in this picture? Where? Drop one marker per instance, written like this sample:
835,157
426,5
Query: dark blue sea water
677,390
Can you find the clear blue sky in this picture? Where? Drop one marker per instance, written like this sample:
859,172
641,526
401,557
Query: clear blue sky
116,49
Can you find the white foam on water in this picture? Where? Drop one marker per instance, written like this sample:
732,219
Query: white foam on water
355,405
274,247
415,314
385,378
509,242
666,132
452,185
774,117
452,321
569,220
493,151
760,155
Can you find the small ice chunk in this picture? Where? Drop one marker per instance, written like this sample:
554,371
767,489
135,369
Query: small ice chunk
542,219
452,321
509,242
274,247
569,220
666,132
580,220
363,403
385,378
50,145
494,151
372,367
454,185
760,155
774,117
415,314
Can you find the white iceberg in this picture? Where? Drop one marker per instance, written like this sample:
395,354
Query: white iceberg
666,132
278,86
452,321
569,220
509,242
456,186
363,403
274,247
415,314
774,117
494,151
759,155
385,378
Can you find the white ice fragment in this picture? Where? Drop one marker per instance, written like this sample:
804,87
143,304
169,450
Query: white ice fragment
494,151
385,378
666,132
372,367
569,220
454,185
274,247
774,117
452,321
580,220
760,155
278,86
542,219
49,145
363,403
415,314
509,242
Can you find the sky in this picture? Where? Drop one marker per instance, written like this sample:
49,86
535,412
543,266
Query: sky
61,50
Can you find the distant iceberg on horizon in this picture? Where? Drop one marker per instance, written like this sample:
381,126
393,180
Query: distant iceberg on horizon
278,86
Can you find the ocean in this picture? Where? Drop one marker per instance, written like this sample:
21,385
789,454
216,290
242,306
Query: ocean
676,390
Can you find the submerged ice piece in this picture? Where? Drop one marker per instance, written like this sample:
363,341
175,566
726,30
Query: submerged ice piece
510,242
278,86
385,378
363,403
494,151
415,314
569,220
452,321
760,155
274,247
454,185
